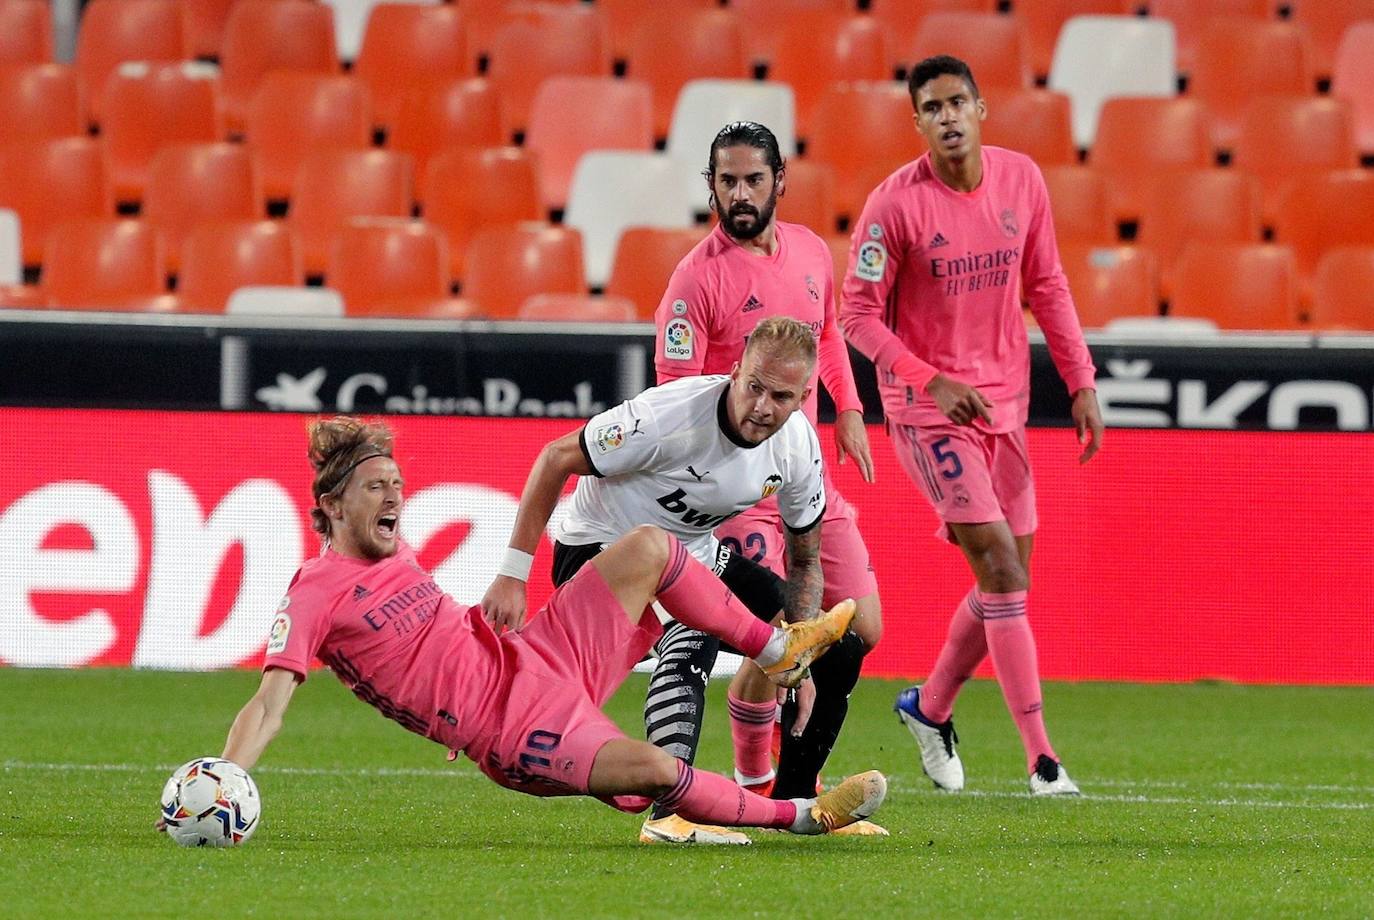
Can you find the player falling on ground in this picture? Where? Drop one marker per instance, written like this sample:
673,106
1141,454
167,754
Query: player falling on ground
685,457
752,266
943,250
523,705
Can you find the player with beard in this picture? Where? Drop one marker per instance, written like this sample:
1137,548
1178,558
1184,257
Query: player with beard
941,257
750,267
525,706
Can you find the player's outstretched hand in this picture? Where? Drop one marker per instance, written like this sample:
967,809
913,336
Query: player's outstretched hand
1087,419
959,402
851,440
160,825
503,606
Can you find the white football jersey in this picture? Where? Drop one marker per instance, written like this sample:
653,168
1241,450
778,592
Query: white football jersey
669,457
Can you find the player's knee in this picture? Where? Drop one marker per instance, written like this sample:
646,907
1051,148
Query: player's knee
649,544
1000,571
657,771
837,671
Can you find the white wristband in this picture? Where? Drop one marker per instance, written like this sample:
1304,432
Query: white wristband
516,564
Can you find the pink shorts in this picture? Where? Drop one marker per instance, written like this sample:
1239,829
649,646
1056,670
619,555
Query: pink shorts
544,736
757,534
970,476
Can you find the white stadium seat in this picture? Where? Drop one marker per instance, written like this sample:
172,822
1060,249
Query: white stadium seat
11,267
705,106
270,300
613,189
1098,57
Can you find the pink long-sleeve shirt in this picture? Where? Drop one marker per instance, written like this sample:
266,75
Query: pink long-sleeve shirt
934,286
720,291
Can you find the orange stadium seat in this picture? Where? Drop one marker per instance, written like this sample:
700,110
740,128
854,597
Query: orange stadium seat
645,258
577,308
482,19
993,46
219,257
150,106
390,267
1080,201
1324,212
623,17
1343,291
408,44
900,19
202,26
862,129
468,189
1239,59
820,48
1198,205
1190,17
434,116
1238,286
1139,136
294,113
1325,22
25,32
39,100
1044,18
115,31
1110,282
561,41
272,35
48,181
189,184
575,115
1353,75
1286,138
333,186
1037,122
672,47
509,264
762,23
809,196
104,264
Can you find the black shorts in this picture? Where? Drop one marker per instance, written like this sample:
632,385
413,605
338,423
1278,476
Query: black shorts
757,587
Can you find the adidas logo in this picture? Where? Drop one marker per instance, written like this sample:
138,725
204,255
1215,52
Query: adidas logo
753,303
938,241
359,592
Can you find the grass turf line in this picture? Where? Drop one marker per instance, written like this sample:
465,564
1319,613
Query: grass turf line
1205,800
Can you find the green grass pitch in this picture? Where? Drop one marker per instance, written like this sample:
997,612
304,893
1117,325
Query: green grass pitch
1202,801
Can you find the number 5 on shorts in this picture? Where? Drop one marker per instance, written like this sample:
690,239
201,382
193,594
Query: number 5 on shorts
945,456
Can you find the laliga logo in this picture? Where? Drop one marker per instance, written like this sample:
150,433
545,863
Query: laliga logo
186,550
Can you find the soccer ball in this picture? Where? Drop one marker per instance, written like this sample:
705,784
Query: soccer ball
210,802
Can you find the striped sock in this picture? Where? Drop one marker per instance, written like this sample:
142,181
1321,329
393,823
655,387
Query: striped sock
1012,647
751,728
695,597
709,798
965,646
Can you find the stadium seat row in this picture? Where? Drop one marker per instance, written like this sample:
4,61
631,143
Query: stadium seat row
397,267
1230,49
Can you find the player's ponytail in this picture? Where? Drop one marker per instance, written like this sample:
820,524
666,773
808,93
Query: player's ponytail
337,446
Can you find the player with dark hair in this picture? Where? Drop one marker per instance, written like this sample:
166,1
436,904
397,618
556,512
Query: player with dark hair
525,706
941,256
753,266
686,457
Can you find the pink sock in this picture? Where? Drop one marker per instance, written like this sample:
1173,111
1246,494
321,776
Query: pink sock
709,798
697,598
1013,655
751,727
965,647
